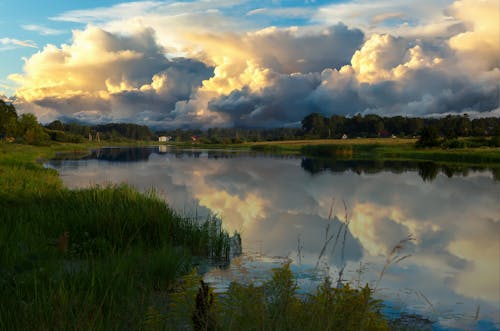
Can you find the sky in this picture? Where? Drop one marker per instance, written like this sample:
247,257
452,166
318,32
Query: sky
226,63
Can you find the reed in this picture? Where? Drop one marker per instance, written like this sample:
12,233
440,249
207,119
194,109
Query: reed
274,305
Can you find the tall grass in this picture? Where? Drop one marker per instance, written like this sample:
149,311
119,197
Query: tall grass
275,305
88,259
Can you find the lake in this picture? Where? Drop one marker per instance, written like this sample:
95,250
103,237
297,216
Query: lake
341,217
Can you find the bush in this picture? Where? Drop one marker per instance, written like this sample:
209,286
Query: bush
61,136
454,143
495,141
275,305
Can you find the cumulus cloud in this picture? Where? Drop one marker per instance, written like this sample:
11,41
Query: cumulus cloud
130,69
482,36
103,74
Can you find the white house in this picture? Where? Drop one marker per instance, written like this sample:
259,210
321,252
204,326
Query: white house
164,139
344,136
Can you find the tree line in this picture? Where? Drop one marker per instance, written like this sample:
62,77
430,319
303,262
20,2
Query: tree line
432,131
26,128
317,126
370,126
75,132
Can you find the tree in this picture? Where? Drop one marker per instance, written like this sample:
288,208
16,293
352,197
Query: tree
56,125
428,137
314,124
8,120
31,131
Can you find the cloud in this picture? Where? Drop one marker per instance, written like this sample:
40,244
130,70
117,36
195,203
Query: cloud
290,12
482,36
400,17
11,43
123,10
43,30
108,76
230,75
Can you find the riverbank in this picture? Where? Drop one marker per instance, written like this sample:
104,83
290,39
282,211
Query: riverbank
365,149
94,258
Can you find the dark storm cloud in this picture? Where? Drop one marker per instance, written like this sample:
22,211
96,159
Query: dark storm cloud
286,51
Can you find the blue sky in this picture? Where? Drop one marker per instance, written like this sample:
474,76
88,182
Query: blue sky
248,63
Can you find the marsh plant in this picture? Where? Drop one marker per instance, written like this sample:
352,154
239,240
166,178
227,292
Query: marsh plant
274,305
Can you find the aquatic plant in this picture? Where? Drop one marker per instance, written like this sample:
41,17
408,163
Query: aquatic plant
275,305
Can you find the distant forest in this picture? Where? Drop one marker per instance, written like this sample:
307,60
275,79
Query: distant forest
314,126
113,131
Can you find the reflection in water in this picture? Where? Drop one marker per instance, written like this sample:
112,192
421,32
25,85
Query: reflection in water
281,210
427,170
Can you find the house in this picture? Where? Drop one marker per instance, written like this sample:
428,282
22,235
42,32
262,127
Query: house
164,139
344,136
194,138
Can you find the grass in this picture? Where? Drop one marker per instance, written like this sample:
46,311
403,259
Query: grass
402,149
274,305
381,149
91,258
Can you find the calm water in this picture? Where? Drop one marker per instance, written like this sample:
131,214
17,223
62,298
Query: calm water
281,206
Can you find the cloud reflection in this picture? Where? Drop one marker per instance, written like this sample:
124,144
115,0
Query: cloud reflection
271,201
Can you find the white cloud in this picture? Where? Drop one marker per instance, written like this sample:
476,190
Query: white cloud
272,76
289,12
399,17
123,10
11,43
43,30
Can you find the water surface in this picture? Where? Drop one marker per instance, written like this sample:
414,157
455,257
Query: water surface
282,206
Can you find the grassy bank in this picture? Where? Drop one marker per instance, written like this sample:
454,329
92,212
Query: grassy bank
91,258
383,149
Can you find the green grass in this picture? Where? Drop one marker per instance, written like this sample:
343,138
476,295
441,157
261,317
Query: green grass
92,258
381,149
274,305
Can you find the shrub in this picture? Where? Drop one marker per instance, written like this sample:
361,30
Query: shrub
495,141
